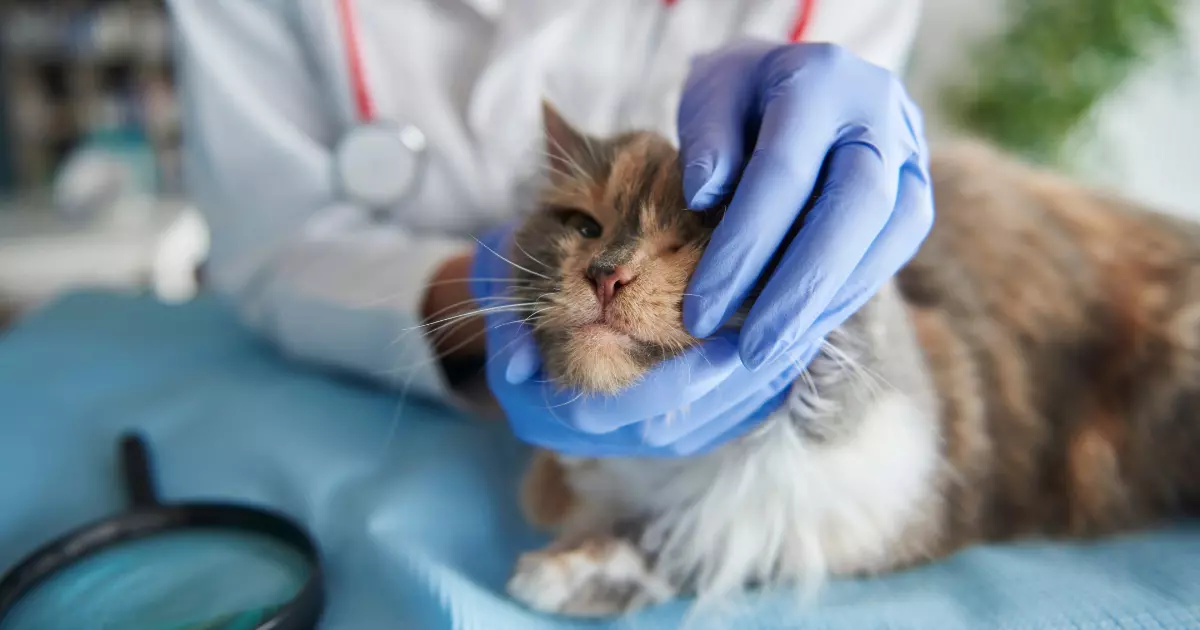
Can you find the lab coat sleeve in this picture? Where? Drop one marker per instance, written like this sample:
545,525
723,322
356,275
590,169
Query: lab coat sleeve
314,274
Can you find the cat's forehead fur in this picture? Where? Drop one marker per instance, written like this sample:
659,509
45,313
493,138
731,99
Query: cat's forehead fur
632,182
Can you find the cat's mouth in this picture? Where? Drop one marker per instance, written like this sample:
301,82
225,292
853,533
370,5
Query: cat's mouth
604,330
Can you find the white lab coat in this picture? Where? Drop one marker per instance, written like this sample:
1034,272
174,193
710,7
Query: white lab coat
266,94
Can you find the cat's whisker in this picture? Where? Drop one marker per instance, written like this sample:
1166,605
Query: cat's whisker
577,397
529,271
455,348
699,348
461,280
394,425
522,321
374,302
412,372
550,169
568,186
481,311
407,332
438,283
451,324
547,297
444,332
531,256
804,374
870,380
456,305
417,367
504,348
857,365
433,328
689,377
565,157
591,149
551,408
572,174
535,314
808,380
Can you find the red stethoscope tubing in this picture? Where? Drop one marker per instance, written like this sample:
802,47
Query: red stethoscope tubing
804,17
364,107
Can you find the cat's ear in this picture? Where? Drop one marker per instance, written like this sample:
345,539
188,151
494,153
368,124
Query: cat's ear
564,144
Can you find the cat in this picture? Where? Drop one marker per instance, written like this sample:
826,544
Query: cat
1033,371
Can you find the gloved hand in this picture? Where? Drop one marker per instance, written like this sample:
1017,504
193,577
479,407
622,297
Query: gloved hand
809,104
812,105
684,406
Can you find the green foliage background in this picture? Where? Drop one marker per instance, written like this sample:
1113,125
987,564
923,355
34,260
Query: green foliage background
1037,81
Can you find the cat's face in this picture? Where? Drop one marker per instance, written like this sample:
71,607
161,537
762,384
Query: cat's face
609,252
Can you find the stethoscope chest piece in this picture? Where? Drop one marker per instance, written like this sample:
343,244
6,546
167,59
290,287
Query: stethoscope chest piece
378,164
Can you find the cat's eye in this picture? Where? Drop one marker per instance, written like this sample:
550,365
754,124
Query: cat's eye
581,222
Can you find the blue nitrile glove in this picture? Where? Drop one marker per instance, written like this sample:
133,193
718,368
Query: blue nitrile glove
804,105
684,406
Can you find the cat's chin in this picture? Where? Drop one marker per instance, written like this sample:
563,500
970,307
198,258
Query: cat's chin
597,359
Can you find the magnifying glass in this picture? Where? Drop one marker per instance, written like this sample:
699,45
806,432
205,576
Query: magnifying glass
168,566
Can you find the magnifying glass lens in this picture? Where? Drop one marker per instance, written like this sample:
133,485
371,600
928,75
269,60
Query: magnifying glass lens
177,580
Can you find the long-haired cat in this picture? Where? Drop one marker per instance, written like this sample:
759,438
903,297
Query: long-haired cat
1034,371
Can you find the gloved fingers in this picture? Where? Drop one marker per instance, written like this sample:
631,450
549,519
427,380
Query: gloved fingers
524,360
673,384
856,203
716,102
711,145
698,418
667,387
797,130
512,355
899,241
744,393
737,423
560,438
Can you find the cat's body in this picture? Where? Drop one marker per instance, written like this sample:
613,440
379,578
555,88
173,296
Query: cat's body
1034,371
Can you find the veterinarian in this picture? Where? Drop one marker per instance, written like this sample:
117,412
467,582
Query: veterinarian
345,154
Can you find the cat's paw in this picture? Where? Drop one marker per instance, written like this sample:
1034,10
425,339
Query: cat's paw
600,577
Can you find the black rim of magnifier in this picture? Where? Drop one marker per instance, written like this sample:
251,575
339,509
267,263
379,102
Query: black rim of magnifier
148,516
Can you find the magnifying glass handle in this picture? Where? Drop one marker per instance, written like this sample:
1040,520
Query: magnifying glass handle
135,468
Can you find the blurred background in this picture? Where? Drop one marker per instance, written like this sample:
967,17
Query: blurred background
89,146
90,186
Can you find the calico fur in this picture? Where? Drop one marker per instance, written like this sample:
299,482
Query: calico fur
1033,371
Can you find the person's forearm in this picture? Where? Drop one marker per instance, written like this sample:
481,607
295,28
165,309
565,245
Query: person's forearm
447,300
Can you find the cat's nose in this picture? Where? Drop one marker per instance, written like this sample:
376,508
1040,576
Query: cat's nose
608,280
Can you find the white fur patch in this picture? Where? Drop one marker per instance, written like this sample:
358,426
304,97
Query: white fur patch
775,507
603,578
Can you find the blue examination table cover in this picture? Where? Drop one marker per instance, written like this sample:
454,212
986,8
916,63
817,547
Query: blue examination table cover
414,506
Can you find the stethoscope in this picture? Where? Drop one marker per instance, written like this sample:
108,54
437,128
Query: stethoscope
377,163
